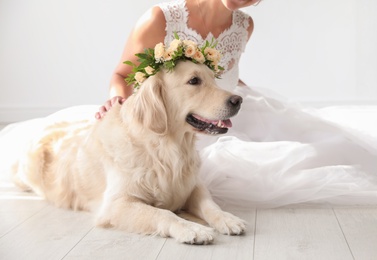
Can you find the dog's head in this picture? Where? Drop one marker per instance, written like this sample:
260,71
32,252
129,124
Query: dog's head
185,99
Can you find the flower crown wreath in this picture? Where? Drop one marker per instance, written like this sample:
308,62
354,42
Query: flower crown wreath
152,60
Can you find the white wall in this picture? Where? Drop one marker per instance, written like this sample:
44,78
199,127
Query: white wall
59,53
315,51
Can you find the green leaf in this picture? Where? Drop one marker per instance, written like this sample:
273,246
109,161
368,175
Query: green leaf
142,55
144,64
129,63
176,36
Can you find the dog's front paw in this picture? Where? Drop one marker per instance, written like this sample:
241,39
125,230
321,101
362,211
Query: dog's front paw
228,224
192,233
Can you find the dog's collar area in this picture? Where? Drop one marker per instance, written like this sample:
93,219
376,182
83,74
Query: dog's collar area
207,126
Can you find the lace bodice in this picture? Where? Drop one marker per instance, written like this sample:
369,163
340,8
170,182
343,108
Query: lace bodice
231,42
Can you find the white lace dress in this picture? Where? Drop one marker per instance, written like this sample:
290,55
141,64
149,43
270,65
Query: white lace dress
275,154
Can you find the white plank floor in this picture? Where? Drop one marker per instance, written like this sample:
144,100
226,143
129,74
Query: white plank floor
30,228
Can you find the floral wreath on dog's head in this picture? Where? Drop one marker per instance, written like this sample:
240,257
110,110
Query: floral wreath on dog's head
152,60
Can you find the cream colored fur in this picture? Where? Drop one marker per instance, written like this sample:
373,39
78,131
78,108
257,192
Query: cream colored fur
138,164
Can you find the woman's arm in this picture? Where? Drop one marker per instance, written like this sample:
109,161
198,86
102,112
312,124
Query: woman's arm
148,31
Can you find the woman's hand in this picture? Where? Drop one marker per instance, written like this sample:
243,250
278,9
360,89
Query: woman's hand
107,106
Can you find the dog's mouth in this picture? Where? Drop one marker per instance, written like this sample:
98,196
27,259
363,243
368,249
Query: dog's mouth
213,127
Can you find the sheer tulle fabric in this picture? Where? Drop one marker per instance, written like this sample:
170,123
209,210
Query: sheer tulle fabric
278,154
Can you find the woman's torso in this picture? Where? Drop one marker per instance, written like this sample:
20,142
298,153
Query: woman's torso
231,42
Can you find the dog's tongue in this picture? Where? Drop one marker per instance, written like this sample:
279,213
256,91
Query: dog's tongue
226,123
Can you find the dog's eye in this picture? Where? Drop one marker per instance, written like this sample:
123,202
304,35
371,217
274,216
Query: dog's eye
194,81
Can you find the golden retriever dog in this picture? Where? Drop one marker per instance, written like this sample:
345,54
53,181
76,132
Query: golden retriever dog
138,166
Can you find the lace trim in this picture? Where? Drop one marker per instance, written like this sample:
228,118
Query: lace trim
231,42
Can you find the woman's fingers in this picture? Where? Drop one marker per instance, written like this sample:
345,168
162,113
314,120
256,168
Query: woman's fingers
108,105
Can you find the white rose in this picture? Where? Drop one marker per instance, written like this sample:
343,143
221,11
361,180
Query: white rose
159,51
174,45
168,55
139,77
149,70
199,57
190,50
211,54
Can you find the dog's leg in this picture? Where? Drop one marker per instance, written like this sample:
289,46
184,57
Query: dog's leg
201,204
138,217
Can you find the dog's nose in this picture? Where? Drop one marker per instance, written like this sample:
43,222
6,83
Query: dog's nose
235,101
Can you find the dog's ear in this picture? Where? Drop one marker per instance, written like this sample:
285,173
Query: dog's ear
149,107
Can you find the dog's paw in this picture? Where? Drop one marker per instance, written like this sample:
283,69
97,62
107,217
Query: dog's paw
192,233
228,224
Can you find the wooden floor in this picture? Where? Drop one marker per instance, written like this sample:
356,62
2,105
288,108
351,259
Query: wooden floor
30,228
